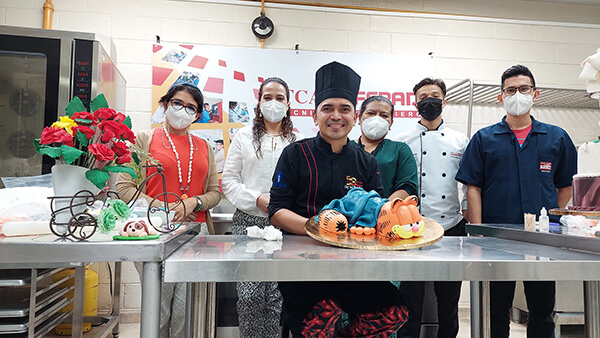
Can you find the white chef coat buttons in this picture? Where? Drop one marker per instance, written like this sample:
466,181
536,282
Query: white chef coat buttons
443,196
443,216
423,133
423,174
443,174
442,134
423,195
424,153
444,153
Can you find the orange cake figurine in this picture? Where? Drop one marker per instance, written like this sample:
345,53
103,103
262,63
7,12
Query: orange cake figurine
400,219
333,221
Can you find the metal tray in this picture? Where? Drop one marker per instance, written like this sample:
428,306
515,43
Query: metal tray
558,236
22,277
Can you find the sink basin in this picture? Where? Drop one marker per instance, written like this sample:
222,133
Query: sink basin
223,209
222,216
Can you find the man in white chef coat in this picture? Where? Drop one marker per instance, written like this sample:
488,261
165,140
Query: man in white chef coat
438,151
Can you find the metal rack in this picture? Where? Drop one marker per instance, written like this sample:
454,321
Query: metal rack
471,93
31,301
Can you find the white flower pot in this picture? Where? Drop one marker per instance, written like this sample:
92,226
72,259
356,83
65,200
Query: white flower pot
68,180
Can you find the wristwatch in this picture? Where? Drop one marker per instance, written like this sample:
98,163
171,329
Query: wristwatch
199,203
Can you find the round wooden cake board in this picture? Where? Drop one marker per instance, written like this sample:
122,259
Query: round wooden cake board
433,233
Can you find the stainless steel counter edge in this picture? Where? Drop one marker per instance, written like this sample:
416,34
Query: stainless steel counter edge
453,258
509,231
48,250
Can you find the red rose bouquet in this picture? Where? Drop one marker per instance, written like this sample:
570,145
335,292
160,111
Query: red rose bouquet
97,140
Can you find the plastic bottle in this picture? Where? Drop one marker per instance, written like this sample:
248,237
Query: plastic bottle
544,221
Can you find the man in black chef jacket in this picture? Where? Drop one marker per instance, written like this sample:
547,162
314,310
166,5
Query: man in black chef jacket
310,173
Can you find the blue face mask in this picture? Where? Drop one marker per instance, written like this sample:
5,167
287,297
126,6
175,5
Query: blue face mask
430,108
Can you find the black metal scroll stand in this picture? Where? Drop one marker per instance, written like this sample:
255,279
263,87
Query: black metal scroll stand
160,197
82,225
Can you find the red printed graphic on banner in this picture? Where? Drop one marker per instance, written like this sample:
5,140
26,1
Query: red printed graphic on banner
401,98
239,76
222,63
397,113
198,62
159,75
214,85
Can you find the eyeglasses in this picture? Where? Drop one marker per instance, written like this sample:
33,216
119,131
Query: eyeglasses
510,91
178,105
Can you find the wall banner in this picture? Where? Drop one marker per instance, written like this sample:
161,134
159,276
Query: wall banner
229,78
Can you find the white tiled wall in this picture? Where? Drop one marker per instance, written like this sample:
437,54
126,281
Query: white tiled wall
461,49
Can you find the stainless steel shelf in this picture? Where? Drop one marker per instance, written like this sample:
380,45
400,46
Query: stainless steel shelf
27,290
471,93
549,97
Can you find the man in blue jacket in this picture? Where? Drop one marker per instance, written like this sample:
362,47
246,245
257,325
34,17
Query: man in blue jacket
518,166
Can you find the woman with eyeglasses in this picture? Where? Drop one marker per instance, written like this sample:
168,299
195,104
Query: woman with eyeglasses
246,180
189,168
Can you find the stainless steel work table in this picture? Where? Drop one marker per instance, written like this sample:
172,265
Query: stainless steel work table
47,251
231,258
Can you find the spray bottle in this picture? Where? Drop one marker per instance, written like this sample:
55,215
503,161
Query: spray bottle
544,221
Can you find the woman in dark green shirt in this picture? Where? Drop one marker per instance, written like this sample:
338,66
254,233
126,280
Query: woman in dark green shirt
397,166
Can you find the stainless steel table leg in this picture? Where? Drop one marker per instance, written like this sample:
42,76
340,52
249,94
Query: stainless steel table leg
591,296
480,310
150,321
203,310
486,331
475,309
188,310
116,308
32,301
79,291
211,310
198,323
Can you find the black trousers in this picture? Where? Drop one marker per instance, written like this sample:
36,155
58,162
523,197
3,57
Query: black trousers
540,297
447,294
353,297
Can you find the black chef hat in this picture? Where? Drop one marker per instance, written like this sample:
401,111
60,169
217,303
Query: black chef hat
336,80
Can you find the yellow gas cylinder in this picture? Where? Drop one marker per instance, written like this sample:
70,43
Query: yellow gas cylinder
90,303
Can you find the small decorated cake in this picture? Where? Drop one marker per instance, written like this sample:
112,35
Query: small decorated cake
586,184
586,192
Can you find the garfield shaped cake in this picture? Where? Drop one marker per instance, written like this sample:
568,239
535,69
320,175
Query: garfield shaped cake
400,219
365,213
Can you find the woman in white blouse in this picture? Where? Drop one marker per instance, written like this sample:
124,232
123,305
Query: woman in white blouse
246,180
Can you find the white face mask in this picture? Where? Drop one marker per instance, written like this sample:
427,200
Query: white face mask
179,119
518,104
273,110
375,127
